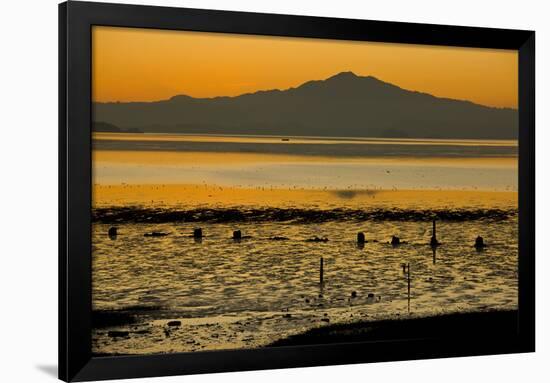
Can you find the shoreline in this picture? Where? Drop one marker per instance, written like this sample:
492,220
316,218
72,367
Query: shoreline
461,326
486,324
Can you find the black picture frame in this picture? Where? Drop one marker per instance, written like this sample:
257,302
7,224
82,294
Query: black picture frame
75,301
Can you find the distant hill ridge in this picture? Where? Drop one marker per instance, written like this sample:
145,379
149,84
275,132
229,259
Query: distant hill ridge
342,105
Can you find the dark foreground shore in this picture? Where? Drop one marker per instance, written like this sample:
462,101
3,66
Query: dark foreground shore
487,324
489,330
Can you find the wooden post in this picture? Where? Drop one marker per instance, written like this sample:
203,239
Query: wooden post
409,287
321,272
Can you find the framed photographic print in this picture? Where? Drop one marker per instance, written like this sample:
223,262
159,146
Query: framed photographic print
249,191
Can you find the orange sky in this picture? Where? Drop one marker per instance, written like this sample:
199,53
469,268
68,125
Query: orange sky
146,65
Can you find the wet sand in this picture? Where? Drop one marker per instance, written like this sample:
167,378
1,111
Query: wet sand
229,294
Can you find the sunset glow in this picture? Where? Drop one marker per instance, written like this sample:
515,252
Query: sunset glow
149,65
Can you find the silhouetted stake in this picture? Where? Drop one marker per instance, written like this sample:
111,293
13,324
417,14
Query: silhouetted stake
395,241
321,272
360,238
479,244
237,235
112,232
409,287
197,233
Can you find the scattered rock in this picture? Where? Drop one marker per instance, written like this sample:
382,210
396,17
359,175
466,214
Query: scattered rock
174,323
317,239
277,238
354,294
155,234
118,334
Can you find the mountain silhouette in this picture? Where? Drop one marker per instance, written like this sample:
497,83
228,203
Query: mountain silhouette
344,105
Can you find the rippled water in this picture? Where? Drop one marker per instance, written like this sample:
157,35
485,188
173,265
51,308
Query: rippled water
227,294
238,294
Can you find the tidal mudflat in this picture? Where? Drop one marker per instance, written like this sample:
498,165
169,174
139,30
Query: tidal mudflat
294,201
